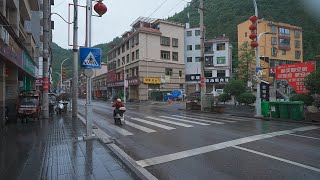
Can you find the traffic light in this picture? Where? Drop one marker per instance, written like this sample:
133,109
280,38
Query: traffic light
253,27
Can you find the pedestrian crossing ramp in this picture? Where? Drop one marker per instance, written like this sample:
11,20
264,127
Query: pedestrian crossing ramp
153,124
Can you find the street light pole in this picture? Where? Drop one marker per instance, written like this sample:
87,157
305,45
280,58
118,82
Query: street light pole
61,73
124,81
75,62
203,80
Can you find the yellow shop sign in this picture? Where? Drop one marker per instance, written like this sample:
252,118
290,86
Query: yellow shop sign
151,81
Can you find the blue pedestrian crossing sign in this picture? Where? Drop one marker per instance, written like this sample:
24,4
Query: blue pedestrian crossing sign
90,58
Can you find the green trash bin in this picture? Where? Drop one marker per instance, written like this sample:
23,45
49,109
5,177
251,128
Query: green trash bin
284,109
274,109
297,110
265,109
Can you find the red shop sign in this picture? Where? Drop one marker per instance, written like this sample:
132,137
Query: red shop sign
295,74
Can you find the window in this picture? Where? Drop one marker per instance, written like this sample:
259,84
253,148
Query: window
132,42
132,72
274,40
208,74
189,59
208,49
180,73
274,51
297,33
273,29
175,56
297,44
128,58
197,32
137,54
132,56
189,47
118,62
284,32
127,44
168,72
127,73
123,60
221,73
137,39
284,43
284,52
123,48
137,71
189,33
175,42
221,60
221,47
165,41
198,59
118,51
165,55
209,61
297,54
197,47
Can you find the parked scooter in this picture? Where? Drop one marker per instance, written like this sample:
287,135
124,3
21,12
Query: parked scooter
59,107
119,116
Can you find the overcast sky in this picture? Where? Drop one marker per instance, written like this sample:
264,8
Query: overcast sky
121,13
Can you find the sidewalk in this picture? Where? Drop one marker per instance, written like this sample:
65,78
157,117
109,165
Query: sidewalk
50,149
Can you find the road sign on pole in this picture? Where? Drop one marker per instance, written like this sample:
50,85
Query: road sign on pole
90,58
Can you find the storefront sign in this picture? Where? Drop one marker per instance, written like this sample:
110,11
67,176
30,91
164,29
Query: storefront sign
193,77
28,64
12,52
264,91
151,81
39,82
294,74
131,82
217,80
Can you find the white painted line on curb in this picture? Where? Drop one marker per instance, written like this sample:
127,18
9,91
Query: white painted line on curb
279,159
170,122
304,136
194,122
214,147
154,124
142,128
203,119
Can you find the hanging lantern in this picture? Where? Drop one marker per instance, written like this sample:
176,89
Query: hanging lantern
253,18
254,44
253,36
100,8
253,27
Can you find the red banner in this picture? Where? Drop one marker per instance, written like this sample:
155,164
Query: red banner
295,74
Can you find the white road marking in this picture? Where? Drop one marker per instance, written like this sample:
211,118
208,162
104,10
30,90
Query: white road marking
202,119
204,124
142,128
214,147
233,118
170,122
304,136
154,124
279,159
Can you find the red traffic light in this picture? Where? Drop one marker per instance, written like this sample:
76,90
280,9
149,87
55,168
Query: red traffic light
100,8
253,18
253,27
254,44
253,36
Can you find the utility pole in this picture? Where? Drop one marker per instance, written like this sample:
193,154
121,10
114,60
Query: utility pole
75,62
203,80
45,86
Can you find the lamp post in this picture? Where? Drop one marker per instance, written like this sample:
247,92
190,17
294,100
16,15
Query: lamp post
124,81
61,71
59,77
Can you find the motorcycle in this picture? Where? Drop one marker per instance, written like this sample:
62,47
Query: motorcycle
59,107
119,116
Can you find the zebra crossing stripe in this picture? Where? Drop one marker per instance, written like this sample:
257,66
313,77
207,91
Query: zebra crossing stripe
183,120
170,122
220,117
153,124
201,118
142,128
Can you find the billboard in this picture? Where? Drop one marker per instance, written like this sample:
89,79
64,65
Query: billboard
294,74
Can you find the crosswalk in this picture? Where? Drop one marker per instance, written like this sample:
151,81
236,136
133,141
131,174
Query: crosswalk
160,123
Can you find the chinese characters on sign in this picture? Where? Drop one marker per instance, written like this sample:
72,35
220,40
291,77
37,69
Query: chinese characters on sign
264,94
193,77
217,80
151,81
295,74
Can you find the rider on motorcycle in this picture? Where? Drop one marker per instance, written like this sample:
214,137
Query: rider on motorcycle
118,104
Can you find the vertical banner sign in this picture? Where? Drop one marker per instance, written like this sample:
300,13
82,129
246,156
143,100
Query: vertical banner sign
295,74
264,88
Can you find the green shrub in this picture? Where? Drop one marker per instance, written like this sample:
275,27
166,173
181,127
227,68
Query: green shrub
246,98
307,99
224,97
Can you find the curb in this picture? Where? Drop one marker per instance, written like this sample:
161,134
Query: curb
138,170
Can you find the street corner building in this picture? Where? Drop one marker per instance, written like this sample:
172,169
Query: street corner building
283,46
150,58
19,51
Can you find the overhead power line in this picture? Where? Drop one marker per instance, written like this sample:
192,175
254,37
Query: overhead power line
157,8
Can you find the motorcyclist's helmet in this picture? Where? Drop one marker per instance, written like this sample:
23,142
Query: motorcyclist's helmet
118,100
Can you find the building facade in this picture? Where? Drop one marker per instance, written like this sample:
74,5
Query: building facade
284,46
99,82
150,57
18,53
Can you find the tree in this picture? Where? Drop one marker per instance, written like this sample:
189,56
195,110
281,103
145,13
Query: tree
235,88
307,99
246,59
312,82
247,98
224,97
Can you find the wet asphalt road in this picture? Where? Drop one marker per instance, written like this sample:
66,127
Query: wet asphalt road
175,144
